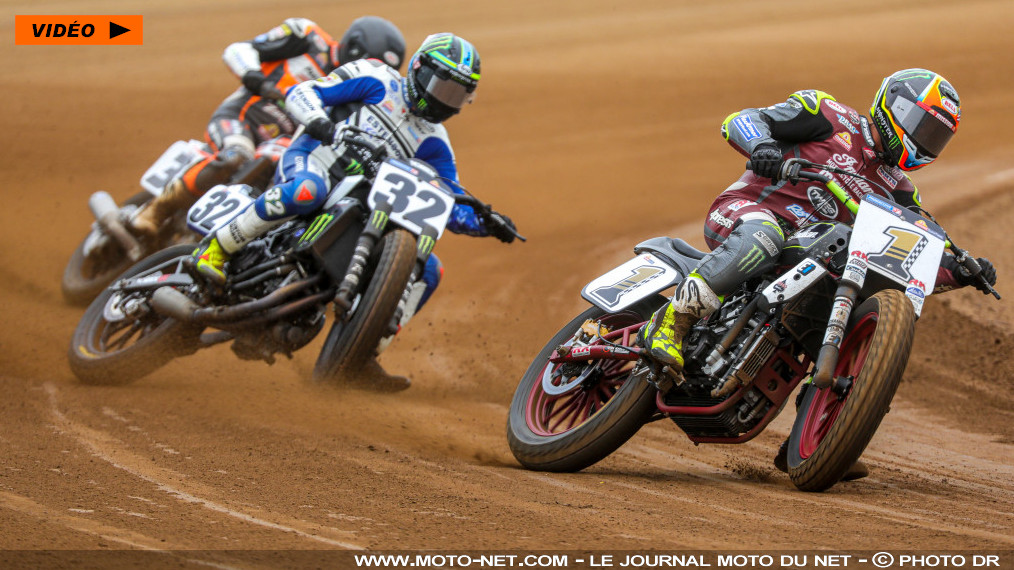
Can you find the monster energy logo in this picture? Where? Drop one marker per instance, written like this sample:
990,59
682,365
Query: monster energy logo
379,219
752,260
610,294
436,43
320,223
426,244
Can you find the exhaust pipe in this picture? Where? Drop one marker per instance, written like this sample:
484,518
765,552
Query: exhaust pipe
174,304
104,209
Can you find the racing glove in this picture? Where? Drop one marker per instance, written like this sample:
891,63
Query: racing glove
260,85
988,273
501,227
766,160
322,130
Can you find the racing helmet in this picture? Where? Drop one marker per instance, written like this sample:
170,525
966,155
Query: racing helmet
372,37
442,77
916,112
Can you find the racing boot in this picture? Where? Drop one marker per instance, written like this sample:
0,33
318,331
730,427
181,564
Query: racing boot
211,260
215,250
663,334
373,377
858,470
149,219
181,193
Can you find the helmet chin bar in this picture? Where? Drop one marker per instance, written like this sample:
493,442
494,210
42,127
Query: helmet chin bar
914,158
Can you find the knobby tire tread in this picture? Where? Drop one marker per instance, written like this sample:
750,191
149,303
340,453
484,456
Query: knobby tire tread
350,344
868,402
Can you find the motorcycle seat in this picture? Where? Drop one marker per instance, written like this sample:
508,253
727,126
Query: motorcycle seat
674,251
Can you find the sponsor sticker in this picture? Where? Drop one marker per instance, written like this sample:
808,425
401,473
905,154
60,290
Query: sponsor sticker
951,106
720,219
823,201
848,125
886,176
803,216
844,139
765,241
836,106
744,124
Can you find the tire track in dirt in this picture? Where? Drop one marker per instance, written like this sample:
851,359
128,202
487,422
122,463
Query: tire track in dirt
108,449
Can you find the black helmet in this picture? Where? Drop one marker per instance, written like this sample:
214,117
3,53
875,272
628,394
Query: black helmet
442,77
916,113
371,37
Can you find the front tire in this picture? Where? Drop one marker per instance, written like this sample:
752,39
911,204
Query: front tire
350,344
591,407
111,348
830,433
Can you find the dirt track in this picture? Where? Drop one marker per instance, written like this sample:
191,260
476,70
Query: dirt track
596,127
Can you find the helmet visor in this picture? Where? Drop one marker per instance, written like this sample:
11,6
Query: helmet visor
444,89
927,128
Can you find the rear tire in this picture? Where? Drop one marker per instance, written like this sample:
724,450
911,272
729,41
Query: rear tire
350,344
830,433
574,429
120,351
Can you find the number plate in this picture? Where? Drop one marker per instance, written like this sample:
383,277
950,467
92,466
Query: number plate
899,245
416,200
217,207
172,162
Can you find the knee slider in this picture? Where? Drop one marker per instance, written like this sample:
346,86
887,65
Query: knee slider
304,194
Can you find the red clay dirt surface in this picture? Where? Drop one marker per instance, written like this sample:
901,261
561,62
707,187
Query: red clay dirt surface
596,127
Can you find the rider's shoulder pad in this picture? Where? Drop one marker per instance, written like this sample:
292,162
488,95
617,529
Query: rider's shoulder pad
809,99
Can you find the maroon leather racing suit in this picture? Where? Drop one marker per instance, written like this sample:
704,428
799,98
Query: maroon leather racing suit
814,126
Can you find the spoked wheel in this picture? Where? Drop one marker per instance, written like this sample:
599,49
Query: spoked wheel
831,430
120,339
566,416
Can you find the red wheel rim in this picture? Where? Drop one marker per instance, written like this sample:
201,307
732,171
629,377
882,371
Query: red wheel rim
826,406
549,415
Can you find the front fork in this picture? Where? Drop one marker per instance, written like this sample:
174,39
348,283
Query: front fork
412,295
364,248
851,283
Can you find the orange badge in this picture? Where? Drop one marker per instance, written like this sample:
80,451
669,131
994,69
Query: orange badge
79,30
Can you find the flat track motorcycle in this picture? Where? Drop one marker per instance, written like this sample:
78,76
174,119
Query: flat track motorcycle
363,254
110,247
838,314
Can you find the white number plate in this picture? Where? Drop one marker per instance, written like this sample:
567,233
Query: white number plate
217,207
416,201
172,162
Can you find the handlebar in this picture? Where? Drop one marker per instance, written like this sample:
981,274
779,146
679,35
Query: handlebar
488,214
791,171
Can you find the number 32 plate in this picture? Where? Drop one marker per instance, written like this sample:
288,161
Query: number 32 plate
416,200
217,207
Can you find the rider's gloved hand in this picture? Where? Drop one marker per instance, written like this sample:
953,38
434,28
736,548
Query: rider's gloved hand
964,277
501,227
766,160
322,130
259,85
